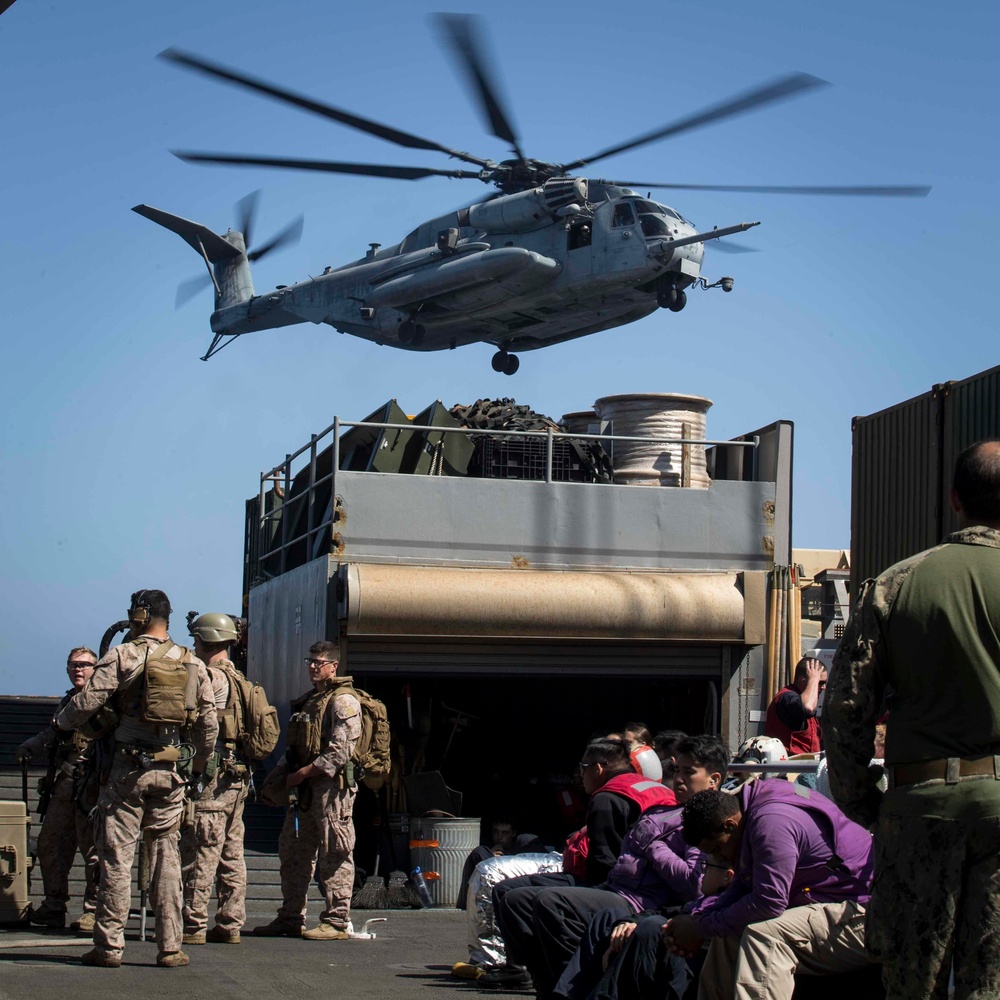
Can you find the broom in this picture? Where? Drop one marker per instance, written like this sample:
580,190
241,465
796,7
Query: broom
401,894
372,895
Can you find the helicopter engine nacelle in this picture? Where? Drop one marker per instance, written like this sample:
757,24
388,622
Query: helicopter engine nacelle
528,210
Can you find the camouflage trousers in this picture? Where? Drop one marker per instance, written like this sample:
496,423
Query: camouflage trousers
67,827
212,855
936,897
147,803
324,845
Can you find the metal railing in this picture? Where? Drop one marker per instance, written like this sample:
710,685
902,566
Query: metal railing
280,480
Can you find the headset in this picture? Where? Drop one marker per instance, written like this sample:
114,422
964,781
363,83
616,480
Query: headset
138,614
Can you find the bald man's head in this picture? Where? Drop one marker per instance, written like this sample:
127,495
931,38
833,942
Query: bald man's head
975,491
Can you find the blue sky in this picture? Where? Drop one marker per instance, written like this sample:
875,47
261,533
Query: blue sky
127,460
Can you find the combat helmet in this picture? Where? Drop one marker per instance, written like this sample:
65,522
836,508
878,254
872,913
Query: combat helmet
213,628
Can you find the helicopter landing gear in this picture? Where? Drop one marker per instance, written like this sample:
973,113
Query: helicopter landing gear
506,363
680,302
411,333
666,297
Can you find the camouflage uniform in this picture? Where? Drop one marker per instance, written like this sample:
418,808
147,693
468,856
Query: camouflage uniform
68,824
928,632
140,800
212,848
324,840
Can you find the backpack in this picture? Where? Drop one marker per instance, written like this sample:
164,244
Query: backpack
254,719
371,752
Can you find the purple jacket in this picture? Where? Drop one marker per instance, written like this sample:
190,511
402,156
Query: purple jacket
797,848
656,867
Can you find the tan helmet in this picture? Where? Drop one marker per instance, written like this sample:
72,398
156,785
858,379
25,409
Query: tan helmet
213,628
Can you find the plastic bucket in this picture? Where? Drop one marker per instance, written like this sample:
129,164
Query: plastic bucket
439,847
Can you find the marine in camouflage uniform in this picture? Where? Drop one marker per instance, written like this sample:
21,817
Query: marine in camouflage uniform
318,834
926,634
67,825
212,847
144,791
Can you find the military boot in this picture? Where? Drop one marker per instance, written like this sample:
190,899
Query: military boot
278,928
84,925
47,916
326,932
172,959
197,938
217,935
101,959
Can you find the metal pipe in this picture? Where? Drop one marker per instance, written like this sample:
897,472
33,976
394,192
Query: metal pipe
548,454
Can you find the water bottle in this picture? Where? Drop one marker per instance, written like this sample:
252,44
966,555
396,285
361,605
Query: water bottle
420,884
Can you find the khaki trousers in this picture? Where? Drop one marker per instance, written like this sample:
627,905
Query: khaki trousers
323,846
66,827
760,964
212,855
136,802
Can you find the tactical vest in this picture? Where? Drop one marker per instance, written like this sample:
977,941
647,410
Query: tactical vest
226,713
77,749
162,699
305,725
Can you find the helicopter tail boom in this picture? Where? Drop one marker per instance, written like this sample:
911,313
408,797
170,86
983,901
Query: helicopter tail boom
224,256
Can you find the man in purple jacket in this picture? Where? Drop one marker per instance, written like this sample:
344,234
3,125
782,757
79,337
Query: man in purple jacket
797,901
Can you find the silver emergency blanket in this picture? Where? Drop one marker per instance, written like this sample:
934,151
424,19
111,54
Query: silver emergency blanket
486,947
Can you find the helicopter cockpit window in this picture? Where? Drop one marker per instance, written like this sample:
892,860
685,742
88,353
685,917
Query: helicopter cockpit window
623,215
653,225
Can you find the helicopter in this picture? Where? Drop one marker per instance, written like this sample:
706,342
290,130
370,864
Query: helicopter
550,256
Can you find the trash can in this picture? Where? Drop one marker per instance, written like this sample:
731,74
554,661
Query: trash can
439,846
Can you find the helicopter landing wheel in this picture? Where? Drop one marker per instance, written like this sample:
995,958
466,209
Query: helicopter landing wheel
679,303
407,331
499,361
418,334
512,364
666,297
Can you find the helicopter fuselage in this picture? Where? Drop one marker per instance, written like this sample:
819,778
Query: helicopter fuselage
521,271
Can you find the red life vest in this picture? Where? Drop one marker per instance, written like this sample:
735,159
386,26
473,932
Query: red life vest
808,740
643,791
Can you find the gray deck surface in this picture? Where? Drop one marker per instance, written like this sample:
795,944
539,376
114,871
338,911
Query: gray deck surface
410,958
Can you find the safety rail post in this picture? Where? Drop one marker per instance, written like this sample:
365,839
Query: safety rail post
549,440
261,528
284,513
333,471
312,493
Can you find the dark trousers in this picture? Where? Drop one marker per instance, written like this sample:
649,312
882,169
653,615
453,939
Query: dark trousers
562,917
643,968
513,901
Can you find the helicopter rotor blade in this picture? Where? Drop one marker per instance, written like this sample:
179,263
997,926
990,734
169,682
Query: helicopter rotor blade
464,37
246,210
289,235
778,90
187,290
863,190
397,136
330,166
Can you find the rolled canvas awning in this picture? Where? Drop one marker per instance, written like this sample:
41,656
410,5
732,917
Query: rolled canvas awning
387,599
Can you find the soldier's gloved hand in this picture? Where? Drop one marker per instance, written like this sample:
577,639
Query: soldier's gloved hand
63,735
23,754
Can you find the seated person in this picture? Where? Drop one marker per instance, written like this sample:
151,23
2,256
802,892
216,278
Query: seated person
797,903
505,840
670,874
618,797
